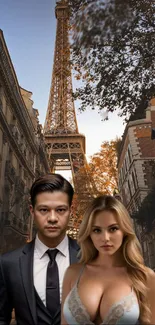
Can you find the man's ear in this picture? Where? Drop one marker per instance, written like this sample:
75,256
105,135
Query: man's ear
31,210
71,209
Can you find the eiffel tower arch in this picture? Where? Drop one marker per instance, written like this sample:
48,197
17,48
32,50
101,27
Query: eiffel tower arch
65,145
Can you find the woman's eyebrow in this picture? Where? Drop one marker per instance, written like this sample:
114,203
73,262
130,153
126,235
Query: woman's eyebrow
113,224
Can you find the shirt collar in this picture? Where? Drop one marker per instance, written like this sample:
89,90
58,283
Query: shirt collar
63,246
41,248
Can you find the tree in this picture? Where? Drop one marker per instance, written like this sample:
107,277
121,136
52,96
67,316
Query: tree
103,167
114,53
102,174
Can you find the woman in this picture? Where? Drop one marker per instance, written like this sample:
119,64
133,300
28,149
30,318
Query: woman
110,284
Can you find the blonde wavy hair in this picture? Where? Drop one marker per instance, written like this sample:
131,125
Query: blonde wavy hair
131,248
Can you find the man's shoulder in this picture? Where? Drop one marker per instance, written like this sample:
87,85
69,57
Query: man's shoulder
13,254
73,243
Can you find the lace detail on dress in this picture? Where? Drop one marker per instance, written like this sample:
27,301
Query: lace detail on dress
77,309
119,308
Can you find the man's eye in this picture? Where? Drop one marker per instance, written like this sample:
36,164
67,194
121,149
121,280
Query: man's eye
43,210
61,210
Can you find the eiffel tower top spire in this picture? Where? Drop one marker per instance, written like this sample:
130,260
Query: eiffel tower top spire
60,117
64,144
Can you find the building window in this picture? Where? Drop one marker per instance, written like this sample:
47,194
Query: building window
10,155
125,166
127,161
129,154
129,187
134,181
138,202
122,173
120,178
20,171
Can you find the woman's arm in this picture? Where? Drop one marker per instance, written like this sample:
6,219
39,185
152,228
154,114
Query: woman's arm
68,282
65,290
151,295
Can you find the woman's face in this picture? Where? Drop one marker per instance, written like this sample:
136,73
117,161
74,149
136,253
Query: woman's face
106,234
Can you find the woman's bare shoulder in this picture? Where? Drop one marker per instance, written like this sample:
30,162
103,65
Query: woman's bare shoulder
150,277
150,272
151,284
75,268
73,272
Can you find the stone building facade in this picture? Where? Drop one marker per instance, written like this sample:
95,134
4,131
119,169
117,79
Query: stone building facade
136,170
22,154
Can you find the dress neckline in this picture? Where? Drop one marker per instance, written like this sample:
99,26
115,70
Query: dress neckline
114,305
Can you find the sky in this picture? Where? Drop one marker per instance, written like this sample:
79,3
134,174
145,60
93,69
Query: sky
29,29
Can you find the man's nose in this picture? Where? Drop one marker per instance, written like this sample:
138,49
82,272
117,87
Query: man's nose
52,216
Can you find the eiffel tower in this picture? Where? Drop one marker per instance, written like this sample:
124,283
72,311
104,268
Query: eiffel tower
65,145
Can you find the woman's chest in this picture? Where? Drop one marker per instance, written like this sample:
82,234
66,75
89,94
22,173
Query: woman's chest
99,294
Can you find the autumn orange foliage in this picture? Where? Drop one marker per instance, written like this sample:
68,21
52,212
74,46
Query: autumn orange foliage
102,174
103,167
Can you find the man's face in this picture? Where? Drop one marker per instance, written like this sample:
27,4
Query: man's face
51,215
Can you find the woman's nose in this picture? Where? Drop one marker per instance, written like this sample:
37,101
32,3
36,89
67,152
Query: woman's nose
105,236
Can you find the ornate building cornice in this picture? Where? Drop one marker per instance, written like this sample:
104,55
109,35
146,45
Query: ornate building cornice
11,83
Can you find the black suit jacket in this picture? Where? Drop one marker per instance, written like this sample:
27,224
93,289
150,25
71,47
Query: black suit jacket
17,288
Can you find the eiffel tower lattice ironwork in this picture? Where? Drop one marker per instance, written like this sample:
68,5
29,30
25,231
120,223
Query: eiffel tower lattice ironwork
65,145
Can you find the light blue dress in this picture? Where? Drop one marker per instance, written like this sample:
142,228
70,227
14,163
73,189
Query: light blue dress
123,312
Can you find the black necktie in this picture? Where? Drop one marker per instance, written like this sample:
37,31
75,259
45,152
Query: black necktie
52,283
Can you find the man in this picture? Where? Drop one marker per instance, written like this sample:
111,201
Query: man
31,277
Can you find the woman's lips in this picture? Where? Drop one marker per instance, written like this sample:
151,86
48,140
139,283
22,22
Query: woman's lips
52,228
107,246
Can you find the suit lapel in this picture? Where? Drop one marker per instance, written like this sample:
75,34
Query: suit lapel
26,266
73,250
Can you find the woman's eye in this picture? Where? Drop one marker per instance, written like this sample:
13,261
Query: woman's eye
96,230
113,229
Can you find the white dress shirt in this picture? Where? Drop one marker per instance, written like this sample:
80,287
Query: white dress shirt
40,263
